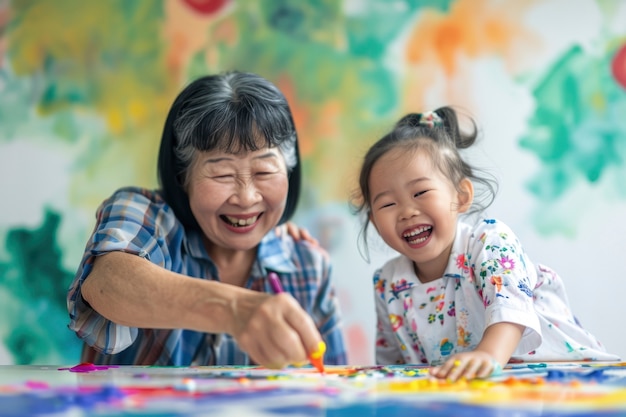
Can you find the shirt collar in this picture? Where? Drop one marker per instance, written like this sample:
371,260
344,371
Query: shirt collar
273,253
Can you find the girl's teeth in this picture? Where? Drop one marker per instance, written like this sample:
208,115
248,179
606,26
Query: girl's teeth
417,231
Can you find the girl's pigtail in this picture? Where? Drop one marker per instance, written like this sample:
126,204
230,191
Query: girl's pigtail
451,123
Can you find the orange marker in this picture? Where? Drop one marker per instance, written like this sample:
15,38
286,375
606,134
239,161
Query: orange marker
317,357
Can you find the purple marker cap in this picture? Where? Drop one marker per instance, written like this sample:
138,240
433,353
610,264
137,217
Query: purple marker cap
272,277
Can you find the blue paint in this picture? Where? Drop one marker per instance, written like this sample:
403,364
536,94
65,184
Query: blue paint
564,376
212,394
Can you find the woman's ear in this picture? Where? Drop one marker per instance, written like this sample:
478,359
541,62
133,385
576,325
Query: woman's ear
465,195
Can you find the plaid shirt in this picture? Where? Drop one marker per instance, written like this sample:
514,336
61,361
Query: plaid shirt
139,221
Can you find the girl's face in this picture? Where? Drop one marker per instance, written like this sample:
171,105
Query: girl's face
237,199
414,208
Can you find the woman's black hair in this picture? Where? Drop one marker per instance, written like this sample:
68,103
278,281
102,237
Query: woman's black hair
233,112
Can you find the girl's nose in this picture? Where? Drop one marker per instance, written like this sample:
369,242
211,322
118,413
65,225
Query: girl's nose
408,211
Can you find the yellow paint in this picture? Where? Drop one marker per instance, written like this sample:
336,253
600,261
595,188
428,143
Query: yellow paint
321,349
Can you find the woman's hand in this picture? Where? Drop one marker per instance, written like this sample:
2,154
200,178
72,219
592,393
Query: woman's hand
298,233
273,329
468,365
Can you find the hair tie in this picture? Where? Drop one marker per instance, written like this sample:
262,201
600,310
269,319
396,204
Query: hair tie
430,119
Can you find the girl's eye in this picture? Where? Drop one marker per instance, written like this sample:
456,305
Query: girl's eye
420,193
386,205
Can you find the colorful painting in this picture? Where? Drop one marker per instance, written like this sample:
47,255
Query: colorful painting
522,390
85,86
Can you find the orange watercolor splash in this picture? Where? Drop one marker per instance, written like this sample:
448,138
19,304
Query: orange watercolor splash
313,124
187,32
301,115
472,28
439,46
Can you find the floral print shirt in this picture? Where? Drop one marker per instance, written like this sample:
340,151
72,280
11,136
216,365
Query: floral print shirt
488,279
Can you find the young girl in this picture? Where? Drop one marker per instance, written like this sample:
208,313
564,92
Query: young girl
463,295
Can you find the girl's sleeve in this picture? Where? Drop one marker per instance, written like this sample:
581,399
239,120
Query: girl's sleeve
505,279
387,350
129,222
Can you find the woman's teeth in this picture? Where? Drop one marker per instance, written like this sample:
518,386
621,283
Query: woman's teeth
241,222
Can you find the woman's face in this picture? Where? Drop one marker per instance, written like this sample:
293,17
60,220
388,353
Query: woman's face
237,199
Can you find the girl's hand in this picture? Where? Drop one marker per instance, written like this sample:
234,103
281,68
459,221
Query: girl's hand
468,365
296,232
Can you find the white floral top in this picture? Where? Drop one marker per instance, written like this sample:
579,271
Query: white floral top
489,279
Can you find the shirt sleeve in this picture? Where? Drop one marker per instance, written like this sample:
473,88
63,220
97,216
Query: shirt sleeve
130,221
306,273
327,315
505,279
329,321
387,349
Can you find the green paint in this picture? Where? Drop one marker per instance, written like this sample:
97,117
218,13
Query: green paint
87,55
37,284
578,131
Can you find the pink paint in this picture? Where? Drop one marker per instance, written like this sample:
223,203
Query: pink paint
88,367
37,385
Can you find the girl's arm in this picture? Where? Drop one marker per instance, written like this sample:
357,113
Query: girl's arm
494,351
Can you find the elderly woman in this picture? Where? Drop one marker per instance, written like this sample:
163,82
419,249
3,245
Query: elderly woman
178,276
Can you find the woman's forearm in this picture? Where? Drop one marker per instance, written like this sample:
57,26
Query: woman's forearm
131,291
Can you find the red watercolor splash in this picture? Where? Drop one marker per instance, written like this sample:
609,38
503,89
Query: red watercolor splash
618,66
88,367
206,6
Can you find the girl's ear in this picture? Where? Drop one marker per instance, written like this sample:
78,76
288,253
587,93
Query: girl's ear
465,195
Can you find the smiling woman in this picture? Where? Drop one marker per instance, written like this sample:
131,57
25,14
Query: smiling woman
178,276
237,199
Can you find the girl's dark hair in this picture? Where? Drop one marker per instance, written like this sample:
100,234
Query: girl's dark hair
439,133
233,112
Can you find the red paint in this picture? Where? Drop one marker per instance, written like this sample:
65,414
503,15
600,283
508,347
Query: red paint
206,6
618,66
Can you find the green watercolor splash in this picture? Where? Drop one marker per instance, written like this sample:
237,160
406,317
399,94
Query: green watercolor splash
34,286
578,132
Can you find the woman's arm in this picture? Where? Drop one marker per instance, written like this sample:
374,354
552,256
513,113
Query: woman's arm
132,291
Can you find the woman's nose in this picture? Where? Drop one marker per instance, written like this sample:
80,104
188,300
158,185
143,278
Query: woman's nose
246,194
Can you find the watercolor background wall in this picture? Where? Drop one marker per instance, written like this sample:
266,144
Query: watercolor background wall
85,86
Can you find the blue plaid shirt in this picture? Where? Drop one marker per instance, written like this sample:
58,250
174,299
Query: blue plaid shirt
139,221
